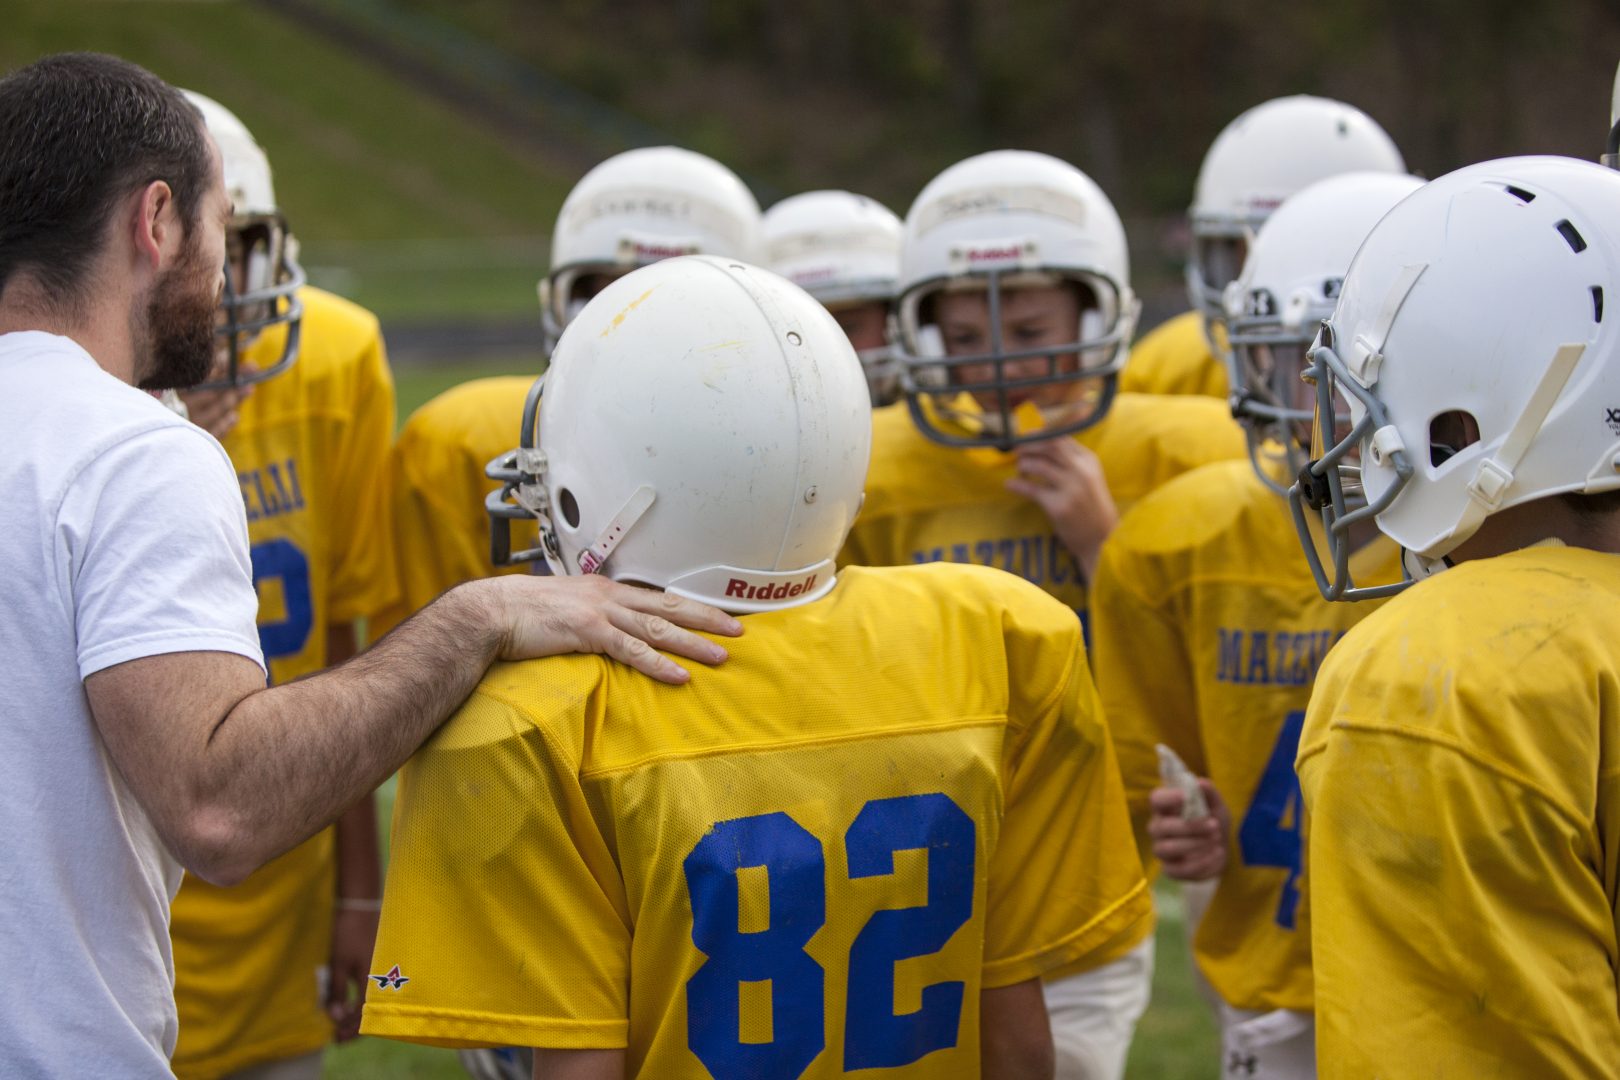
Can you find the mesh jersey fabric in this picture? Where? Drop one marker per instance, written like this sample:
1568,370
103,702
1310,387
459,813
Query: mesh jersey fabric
883,802
437,488
931,503
1461,765
1174,358
1209,631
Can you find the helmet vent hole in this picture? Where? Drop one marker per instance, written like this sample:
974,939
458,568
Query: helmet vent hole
1521,194
569,506
1597,303
1576,242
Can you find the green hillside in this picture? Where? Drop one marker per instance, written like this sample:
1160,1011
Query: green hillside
399,201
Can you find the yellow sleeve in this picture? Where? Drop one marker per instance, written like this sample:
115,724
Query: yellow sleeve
1143,680
1065,881
1436,944
436,506
504,913
363,578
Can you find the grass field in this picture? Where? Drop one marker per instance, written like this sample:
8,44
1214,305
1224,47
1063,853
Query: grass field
401,204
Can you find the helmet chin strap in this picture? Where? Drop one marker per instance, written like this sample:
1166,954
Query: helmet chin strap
1494,475
592,558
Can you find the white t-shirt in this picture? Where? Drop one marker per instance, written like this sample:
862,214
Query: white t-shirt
122,535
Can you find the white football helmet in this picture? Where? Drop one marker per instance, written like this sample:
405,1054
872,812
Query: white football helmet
636,208
1486,299
1257,161
258,247
1289,284
703,428
995,223
843,249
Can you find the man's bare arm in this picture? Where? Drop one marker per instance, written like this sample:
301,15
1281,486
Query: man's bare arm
232,774
1015,1036
579,1065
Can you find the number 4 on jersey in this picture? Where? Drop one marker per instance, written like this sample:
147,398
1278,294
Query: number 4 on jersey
1269,835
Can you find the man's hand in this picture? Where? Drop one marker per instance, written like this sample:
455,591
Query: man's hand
354,934
1192,850
544,616
1066,480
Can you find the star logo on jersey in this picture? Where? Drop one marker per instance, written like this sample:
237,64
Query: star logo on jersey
392,980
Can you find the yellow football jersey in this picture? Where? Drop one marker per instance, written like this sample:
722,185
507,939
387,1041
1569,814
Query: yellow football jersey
931,503
1209,631
437,488
806,862
1174,358
309,452
1461,762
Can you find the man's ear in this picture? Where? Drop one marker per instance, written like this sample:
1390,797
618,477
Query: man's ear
154,224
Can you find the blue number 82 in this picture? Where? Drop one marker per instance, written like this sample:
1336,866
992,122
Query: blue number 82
874,1037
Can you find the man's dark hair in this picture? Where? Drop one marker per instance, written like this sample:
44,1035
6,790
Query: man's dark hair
79,132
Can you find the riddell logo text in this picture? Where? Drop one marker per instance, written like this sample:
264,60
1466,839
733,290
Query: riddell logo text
739,587
659,252
997,254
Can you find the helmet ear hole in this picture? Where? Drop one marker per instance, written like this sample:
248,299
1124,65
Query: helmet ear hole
569,506
1449,434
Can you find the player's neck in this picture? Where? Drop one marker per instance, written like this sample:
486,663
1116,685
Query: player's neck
1530,523
1362,533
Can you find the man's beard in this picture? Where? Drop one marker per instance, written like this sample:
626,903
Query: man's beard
179,327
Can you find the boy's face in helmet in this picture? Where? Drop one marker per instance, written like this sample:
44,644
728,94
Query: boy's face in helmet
1031,317
865,323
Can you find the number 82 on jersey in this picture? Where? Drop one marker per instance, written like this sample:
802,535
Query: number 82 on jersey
795,867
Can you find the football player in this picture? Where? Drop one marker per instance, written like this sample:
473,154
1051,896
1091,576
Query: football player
844,250
1209,631
304,403
1013,451
632,209
1461,752
1257,161
857,849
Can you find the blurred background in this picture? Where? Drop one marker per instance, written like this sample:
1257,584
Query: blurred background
422,149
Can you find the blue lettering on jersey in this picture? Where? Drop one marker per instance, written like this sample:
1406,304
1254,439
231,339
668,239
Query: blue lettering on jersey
1040,560
1246,657
271,491
875,1036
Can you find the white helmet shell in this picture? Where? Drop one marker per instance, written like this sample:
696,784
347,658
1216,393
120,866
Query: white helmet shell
835,245
1490,292
990,222
704,429
247,170
1260,159
1289,284
842,249
641,206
